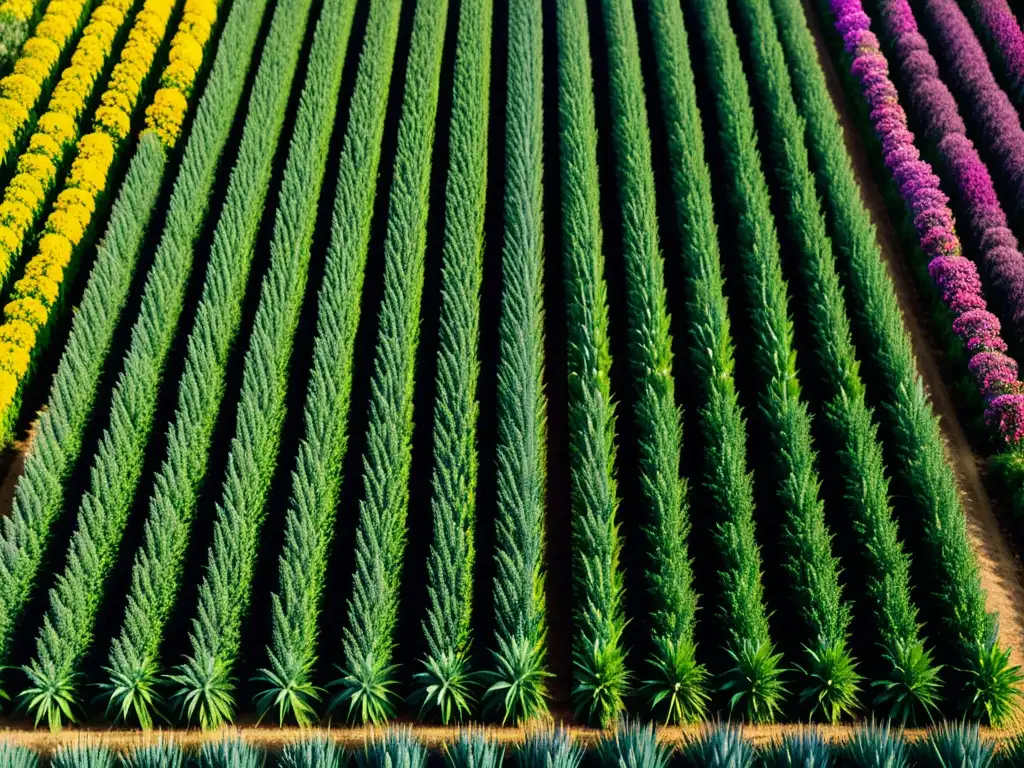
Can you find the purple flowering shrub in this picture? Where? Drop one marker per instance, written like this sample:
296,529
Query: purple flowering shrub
999,27
955,276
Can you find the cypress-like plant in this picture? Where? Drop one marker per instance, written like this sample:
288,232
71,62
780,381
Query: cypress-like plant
156,574
600,675
367,675
921,470
68,626
445,682
204,682
726,478
910,686
518,689
309,523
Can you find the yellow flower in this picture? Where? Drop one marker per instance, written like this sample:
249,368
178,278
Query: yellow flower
12,114
113,121
19,333
97,145
55,249
73,197
42,49
28,310
14,359
28,183
179,76
25,197
8,389
187,51
16,216
116,98
195,26
67,223
20,88
41,267
9,240
55,28
34,69
41,144
108,13
39,166
204,9
62,8
166,113
42,288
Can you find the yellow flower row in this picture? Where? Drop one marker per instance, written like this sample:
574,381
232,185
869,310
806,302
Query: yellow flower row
170,103
21,90
17,11
35,295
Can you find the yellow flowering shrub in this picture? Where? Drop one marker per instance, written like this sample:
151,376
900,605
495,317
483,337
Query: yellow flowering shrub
42,49
18,332
41,144
8,239
39,166
16,11
14,358
33,69
14,215
42,288
20,88
28,310
166,114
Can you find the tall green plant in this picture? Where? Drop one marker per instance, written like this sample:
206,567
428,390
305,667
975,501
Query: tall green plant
309,524
519,673
445,682
367,681
598,656
156,574
909,686
727,480
68,627
921,471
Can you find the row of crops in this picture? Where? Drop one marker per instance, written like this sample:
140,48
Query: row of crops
629,746
471,359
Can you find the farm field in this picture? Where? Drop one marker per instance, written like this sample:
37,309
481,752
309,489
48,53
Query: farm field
508,361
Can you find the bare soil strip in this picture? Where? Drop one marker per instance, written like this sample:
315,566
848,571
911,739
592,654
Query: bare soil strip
1001,572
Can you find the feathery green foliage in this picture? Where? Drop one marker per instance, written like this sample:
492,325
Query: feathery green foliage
316,751
474,748
723,746
396,748
956,745
16,756
230,752
159,562
632,745
204,681
597,578
315,481
369,637
39,492
883,561
876,746
83,755
519,689
804,749
726,478
67,630
922,473
549,749
160,754
445,682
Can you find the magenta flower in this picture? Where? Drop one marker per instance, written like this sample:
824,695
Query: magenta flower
996,23
955,277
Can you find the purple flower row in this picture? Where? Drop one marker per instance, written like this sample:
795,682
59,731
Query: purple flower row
940,118
1001,28
956,277
996,120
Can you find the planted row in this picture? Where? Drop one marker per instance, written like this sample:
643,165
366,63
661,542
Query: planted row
998,26
16,17
316,480
368,671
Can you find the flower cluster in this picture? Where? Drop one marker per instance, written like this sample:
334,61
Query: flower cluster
167,112
937,113
955,277
15,16
1001,28
21,90
36,293
994,120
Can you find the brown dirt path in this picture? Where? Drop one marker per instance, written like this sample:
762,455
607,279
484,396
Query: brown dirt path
13,468
1001,571
353,738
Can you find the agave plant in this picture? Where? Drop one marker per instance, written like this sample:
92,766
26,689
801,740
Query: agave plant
474,749
632,745
601,679
876,746
161,754
83,755
367,689
205,688
230,752
956,745
833,685
912,688
519,688
805,749
754,682
723,746
395,748
50,695
679,684
134,692
445,684
1011,753
289,690
996,685
316,751
15,756
552,748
